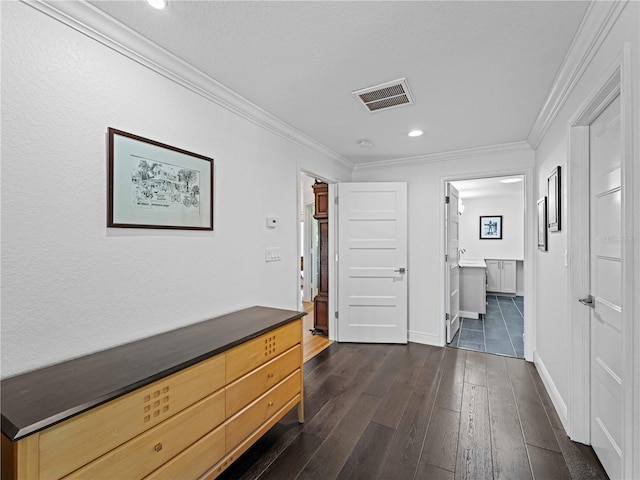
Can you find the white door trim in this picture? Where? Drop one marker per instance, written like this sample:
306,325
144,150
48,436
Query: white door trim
617,80
530,247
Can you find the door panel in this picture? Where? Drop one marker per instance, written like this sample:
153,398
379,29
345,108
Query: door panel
372,246
606,283
452,268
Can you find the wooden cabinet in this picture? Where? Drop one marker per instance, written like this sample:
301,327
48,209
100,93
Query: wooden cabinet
190,424
501,276
321,301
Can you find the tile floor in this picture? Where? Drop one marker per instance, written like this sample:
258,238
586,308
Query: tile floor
500,332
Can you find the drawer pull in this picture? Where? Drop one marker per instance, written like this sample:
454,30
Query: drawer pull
270,404
270,375
158,447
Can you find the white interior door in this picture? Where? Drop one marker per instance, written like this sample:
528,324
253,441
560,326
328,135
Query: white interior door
606,289
372,261
452,269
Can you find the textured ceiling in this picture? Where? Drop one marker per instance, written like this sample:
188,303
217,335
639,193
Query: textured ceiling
479,71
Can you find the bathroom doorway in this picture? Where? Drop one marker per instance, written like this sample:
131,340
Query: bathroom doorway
491,246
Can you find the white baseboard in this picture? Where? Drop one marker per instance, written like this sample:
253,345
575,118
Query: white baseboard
465,314
425,338
554,394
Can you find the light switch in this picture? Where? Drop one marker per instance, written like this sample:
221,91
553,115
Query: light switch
272,254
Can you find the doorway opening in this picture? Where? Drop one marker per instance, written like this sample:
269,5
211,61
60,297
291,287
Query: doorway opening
315,340
486,265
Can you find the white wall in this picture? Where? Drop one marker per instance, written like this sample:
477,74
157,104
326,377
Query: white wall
553,335
511,246
70,286
426,224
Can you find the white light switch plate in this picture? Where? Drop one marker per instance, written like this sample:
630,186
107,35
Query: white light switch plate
272,254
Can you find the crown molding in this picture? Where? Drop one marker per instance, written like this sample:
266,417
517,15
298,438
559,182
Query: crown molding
596,24
448,156
92,22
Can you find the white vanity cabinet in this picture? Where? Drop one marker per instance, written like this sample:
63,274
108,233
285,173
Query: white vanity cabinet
501,276
473,294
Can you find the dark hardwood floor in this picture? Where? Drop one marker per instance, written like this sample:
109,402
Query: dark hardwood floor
418,412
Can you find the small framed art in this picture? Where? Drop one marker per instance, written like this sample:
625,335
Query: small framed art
553,207
491,227
153,185
542,224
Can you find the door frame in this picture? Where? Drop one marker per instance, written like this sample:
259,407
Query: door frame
530,246
333,276
616,81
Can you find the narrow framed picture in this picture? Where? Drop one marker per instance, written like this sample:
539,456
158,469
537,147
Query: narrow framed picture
154,185
553,207
542,224
491,227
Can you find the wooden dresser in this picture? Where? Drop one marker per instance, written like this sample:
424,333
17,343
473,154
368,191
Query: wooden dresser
183,404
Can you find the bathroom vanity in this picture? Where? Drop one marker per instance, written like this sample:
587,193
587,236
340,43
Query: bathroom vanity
473,287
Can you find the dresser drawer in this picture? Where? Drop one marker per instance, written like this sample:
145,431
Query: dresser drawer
250,418
148,451
195,460
252,354
246,389
76,442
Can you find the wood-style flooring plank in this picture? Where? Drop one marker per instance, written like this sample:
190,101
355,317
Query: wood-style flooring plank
533,416
441,443
391,368
337,447
554,419
434,473
547,464
509,454
403,452
474,444
365,460
475,371
450,390
291,462
395,400
580,459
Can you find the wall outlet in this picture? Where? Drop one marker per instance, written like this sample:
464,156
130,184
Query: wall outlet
272,254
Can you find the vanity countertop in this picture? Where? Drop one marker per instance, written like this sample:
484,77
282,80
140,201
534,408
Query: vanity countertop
472,262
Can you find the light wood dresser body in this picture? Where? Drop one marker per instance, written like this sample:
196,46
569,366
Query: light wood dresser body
186,414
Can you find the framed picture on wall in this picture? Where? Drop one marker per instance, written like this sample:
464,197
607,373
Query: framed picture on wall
491,227
542,224
153,185
553,207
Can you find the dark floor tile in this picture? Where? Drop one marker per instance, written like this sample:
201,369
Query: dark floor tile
496,330
517,341
473,324
471,336
454,340
478,347
519,353
503,299
515,329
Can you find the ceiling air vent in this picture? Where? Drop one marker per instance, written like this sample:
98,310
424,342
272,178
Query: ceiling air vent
385,96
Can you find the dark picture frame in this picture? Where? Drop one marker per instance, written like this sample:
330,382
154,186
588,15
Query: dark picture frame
491,227
542,224
553,207
154,185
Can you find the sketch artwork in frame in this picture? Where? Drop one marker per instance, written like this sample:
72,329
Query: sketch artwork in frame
153,185
491,228
553,207
542,224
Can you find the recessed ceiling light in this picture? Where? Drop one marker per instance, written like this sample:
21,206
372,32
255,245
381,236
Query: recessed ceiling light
365,143
159,4
510,180
415,133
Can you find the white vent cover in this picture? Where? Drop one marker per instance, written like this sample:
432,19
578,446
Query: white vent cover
385,96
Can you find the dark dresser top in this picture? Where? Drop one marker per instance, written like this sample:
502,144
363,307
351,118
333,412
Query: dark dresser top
38,399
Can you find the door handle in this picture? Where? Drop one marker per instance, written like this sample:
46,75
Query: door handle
400,270
588,301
